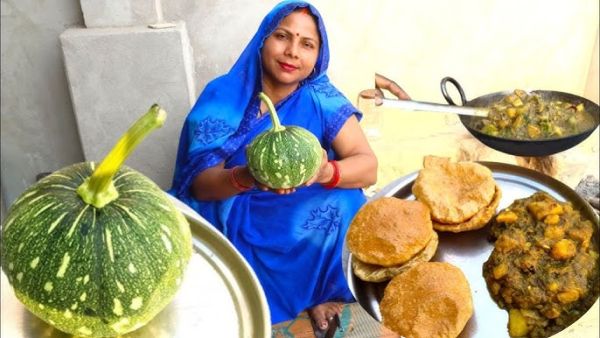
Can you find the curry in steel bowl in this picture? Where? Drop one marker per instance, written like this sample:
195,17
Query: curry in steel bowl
544,267
528,116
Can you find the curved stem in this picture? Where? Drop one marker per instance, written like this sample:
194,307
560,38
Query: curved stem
272,112
98,189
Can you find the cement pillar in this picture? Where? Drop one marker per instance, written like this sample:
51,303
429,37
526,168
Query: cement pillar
116,73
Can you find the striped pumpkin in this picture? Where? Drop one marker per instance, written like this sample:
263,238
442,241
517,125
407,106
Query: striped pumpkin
283,156
97,251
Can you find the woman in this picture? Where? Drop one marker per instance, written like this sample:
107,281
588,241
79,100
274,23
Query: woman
292,238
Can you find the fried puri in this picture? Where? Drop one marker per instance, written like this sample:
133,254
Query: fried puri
454,192
431,299
478,221
376,273
389,231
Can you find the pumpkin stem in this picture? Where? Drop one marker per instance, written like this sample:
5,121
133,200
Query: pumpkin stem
98,189
272,112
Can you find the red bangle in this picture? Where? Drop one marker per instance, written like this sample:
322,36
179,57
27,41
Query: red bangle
234,181
335,179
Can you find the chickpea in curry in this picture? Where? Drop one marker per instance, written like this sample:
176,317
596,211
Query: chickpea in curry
525,116
544,266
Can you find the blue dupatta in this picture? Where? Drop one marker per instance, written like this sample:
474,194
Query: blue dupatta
293,242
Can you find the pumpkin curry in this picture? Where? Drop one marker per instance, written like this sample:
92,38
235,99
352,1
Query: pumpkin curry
544,266
527,116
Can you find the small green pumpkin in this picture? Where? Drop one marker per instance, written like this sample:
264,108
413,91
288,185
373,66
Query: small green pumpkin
97,251
284,156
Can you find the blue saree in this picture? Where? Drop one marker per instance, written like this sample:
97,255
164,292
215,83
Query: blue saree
293,242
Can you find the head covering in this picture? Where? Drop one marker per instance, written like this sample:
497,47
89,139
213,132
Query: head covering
225,112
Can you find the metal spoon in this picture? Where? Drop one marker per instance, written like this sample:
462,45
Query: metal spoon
432,107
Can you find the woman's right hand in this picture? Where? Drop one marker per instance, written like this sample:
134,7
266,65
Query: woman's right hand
382,82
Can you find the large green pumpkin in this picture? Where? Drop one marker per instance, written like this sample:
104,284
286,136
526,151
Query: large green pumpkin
97,251
283,156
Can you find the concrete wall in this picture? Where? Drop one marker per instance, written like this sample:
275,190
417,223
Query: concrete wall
38,127
487,45
115,75
108,13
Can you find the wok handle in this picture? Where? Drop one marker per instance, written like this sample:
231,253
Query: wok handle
445,91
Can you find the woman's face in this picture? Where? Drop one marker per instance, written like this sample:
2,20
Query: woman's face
290,53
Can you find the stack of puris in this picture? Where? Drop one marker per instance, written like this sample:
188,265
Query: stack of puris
462,196
389,235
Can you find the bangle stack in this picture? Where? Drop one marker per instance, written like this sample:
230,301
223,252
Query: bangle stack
234,181
335,179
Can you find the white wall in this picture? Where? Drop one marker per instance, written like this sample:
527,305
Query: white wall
592,90
487,45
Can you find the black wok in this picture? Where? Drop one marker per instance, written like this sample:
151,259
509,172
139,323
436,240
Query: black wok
522,147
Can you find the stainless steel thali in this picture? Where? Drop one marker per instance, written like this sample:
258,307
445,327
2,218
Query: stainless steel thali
219,297
469,250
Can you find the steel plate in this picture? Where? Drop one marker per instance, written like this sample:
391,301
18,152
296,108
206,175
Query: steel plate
220,297
469,250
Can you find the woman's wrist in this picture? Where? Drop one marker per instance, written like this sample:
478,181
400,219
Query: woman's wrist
245,177
335,175
241,179
326,174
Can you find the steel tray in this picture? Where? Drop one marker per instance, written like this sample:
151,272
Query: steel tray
220,297
469,250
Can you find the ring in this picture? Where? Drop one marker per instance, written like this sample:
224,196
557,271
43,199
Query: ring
330,318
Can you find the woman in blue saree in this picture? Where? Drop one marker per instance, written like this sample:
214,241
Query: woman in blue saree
292,238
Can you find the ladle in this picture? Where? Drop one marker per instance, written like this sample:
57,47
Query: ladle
432,107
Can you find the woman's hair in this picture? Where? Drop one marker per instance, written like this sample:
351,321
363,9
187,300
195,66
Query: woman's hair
305,10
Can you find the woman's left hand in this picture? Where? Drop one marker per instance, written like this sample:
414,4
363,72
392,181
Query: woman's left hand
323,174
